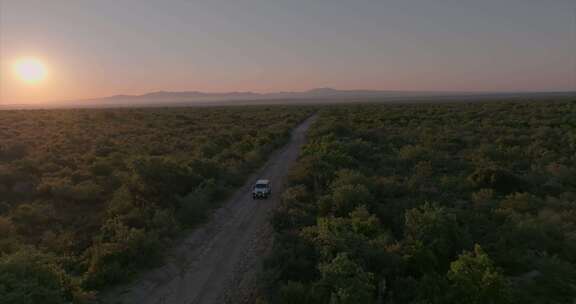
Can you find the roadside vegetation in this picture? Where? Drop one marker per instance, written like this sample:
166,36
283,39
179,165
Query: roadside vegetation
430,203
90,197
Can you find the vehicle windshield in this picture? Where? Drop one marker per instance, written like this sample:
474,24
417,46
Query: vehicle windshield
260,186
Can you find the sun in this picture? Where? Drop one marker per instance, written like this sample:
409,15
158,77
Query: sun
30,70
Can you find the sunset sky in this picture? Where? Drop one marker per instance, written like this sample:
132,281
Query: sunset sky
59,49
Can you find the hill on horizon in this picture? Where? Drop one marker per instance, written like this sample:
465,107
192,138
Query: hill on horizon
195,96
317,95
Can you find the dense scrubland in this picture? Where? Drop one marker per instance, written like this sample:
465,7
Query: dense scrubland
89,197
445,203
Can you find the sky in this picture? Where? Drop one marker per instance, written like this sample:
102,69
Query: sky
95,48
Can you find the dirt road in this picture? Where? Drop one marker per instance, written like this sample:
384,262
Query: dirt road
217,263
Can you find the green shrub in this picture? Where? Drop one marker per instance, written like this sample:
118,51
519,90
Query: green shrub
474,279
501,175
345,282
29,277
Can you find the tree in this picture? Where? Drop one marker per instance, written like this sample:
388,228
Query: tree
436,227
475,280
8,236
364,223
31,219
521,203
346,282
160,179
295,293
29,277
501,180
346,198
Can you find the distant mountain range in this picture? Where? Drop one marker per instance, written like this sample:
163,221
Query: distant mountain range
195,96
319,95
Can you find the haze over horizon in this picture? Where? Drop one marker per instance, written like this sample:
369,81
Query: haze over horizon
91,49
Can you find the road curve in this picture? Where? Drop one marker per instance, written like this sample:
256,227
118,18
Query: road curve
217,262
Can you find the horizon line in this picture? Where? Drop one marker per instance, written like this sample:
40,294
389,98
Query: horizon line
119,95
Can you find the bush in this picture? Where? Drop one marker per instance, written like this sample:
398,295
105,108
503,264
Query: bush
474,279
500,174
120,254
29,277
295,293
500,180
8,237
345,282
346,198
436,228
13,151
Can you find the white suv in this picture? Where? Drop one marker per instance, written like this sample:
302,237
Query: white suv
261,189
